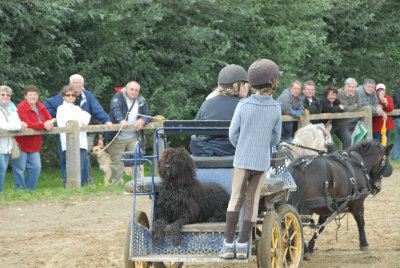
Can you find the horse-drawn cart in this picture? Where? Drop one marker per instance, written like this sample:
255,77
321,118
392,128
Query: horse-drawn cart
278,235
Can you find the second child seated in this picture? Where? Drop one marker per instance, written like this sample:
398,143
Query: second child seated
232,85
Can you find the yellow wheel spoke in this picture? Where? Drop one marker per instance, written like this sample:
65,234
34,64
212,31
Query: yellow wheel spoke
293,235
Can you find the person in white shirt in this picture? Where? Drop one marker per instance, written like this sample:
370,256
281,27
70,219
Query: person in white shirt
9,121
69,111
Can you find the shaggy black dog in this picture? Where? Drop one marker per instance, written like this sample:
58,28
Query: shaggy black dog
183,199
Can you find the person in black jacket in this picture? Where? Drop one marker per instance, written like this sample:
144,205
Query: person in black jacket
127,107
310,101
331,104
396,144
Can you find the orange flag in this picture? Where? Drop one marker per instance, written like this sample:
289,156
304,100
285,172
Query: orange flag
383,134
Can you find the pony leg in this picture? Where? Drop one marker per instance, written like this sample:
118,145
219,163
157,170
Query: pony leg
359,217
309,249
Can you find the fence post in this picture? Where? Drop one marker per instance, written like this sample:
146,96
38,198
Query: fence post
73,155
368,120
305,119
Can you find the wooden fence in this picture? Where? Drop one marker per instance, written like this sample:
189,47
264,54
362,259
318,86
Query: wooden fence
72,132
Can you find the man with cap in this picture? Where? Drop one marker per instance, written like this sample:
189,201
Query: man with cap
291,104
255,128
232,80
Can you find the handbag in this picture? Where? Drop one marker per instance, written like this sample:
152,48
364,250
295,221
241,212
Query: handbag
16,148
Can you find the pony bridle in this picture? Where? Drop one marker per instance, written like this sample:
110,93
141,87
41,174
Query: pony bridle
375,182
327,143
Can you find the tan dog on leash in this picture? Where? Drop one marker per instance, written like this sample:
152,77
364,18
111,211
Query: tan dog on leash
104,160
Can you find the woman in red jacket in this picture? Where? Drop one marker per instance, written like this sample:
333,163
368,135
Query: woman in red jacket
37,117
387,106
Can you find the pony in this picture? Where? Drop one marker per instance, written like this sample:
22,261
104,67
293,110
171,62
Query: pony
339,182
316,136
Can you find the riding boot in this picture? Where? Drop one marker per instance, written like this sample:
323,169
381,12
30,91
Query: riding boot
232,219
247,228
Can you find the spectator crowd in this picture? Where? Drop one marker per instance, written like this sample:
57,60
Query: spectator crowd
129,107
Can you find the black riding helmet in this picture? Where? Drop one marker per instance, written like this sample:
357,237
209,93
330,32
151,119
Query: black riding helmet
262,72
231,74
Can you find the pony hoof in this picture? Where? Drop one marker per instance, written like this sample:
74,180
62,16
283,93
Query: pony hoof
364,247
307,256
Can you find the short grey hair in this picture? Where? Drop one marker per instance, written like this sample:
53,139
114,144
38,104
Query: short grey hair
369,81
309,83
6,89
350,81
76,76
296,82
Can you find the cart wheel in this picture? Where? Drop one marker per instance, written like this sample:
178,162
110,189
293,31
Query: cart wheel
269,250
292,236
141,218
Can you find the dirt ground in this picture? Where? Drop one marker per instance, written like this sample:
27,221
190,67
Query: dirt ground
90,232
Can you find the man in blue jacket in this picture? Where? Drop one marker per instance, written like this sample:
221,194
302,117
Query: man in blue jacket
127,107
88,102
291,104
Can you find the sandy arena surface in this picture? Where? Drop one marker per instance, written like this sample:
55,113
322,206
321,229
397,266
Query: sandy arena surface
90,232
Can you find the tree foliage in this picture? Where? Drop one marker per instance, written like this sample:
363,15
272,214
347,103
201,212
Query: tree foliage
175,48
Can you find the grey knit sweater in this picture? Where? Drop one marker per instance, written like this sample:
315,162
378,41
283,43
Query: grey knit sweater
255,127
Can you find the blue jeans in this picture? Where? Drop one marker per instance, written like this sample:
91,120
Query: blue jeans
396,145
288,130
84,167
378,136
30,162
63,164
3,168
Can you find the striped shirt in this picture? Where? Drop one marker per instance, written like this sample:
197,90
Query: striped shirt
255,127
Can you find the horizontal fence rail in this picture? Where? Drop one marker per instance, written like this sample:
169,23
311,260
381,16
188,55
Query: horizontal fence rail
72,132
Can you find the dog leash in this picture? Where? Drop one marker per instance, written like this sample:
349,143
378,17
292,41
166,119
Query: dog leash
119,130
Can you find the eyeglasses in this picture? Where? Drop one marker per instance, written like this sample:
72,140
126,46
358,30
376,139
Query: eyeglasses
5,94
69,95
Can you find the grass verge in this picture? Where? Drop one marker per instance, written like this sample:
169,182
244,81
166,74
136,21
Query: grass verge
50,188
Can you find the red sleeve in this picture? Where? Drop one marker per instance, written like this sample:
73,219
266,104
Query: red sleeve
389,107
30,117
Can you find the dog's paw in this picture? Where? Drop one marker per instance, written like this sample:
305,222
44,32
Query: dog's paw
176,238
158,236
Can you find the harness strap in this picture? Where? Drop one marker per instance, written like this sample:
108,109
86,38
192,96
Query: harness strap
357,156
345,161
332,217
326,186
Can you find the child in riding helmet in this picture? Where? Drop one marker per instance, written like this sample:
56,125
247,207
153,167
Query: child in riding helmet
255,127
232,81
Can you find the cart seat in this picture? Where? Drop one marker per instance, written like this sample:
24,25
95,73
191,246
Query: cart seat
213,161
144,185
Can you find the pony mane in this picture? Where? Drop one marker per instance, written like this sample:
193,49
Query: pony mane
365,147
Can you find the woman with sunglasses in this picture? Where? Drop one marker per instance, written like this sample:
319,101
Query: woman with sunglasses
69,111
9,120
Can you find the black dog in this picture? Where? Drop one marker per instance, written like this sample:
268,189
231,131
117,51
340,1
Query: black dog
182,198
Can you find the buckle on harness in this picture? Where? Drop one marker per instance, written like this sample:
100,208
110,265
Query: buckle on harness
352,180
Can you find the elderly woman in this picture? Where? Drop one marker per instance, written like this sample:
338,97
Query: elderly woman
35,114
9,120
69,111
